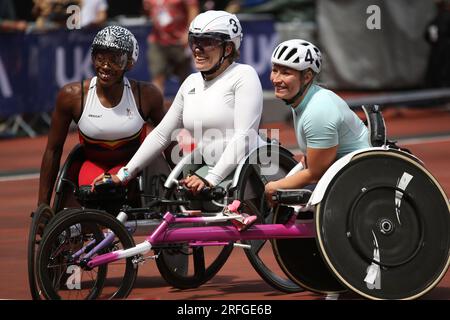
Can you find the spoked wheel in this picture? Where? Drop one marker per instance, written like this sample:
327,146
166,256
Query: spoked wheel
186,268
40,219
202,264
269,165
63,273
383,226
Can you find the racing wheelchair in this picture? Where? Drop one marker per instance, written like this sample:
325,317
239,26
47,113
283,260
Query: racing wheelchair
181,266
69,197
379,227
379,215
274,162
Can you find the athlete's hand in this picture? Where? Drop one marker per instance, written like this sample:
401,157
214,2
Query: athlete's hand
102,178
194,183
270,189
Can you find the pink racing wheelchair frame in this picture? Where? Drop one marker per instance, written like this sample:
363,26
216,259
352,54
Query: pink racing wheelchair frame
209,235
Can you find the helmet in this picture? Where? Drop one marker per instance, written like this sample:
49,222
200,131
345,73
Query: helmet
219,24
117,38
298,54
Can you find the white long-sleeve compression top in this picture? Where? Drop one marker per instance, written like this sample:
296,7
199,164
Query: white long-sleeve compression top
223,115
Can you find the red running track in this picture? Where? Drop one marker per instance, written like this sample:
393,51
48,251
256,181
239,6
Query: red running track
237,280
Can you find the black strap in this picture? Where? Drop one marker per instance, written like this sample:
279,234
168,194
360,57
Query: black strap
82,99
299,93
140,102
139,93
217,65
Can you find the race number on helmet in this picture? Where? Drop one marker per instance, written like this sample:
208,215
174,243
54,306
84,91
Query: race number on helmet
117,38
298,54
222,24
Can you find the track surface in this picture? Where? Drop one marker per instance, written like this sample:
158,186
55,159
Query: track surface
425,133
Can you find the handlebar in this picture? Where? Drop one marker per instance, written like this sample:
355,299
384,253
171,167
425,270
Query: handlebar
104,185
207,193
71,184
99,186
103,192
292,196
155,203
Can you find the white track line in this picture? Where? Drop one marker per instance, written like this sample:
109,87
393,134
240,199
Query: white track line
18,177
404,142
407,141
410,141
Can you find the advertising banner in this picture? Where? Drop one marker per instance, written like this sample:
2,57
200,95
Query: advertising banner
34,66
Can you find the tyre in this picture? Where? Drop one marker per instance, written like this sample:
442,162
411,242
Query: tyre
43,217
383,226
187,268
40,219
63,273
276,164
301,260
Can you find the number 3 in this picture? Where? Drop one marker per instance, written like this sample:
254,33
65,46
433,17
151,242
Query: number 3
235,26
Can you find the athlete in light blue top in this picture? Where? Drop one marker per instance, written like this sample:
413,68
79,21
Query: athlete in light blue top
325,127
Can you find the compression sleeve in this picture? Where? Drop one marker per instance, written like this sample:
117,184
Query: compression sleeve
156,141
248,103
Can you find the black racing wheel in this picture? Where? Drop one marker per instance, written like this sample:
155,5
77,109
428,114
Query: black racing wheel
40,219
383,226
184,267
267,164
67,242
300,258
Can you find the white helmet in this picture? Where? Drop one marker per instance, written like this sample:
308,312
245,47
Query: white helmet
298,54
221,24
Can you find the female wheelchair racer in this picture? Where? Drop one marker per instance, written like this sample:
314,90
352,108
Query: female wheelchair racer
278,162
379,218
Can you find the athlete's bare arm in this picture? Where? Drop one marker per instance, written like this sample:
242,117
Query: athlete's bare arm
68,107
152,103
319,160
153,107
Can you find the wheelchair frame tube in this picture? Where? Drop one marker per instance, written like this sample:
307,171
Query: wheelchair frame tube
208,234
141,248
230,233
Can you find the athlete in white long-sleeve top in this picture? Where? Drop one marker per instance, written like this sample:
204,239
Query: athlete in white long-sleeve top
223,100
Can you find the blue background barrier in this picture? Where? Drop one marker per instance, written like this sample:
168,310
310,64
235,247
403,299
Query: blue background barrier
34,66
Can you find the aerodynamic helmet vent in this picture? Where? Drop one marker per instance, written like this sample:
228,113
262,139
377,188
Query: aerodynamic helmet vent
282,51
291,53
